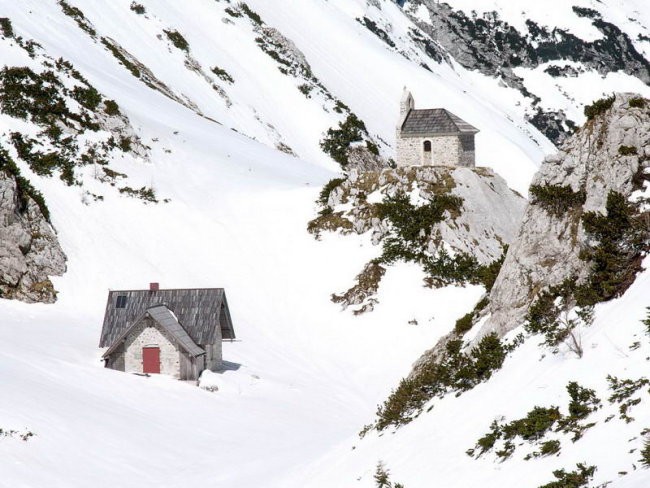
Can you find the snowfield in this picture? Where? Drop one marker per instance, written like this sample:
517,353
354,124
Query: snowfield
303,376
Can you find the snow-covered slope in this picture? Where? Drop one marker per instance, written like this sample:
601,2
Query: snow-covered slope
303,377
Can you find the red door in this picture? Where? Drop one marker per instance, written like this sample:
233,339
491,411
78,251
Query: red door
151,360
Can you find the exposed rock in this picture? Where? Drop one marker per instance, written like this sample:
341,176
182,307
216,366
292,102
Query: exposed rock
546,251
492,46
29,250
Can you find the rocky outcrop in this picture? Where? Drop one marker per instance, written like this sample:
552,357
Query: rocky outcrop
483,218
492,46
610,153
29,250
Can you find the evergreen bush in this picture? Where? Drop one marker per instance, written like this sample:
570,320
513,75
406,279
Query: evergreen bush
573,479
627,150
137,8
6,27
557,200
337,141
599,107
177,40
645,454
637,102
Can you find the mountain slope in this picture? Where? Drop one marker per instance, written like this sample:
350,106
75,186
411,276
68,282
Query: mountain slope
303,377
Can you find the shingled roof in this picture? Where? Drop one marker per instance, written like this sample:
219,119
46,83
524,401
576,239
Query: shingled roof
199,311
435,122
168,321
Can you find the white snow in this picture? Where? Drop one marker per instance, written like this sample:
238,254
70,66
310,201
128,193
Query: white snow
303,376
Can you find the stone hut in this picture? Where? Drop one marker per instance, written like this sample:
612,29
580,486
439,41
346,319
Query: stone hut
175,332
433,137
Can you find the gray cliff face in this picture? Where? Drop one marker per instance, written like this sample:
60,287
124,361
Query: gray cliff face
546,251
488,44
29,250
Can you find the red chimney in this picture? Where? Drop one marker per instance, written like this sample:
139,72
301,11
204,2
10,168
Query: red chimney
154,286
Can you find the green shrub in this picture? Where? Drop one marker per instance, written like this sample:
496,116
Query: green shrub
627,150
548,448
144,193
25,94
121,58
251,14
6,27
583,401
87,97
646,321
223,74
557,200
622,240
177,40
622,392
24,188
137,8
464,324
637,102
337,141
452,371
534,426
574,479
645,454
329,187
233,13
78,16
111,108
599,107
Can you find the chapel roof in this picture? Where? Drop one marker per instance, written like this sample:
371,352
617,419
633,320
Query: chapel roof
435,122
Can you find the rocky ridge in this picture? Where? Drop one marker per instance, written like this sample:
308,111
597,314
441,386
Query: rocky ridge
611,153
29,250
477,229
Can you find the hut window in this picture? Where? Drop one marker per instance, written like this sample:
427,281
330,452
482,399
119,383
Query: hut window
427,146
121,301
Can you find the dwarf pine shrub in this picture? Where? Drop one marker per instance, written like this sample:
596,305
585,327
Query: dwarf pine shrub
557,200
627,150
453,371
177,40
6,28
137,8
645,454
337,141
637,102
24,189
599,107
574,479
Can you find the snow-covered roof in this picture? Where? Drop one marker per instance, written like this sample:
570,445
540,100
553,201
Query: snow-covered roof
435,122
198,310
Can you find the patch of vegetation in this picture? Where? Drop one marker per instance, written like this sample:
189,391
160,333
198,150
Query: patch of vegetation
337,142
111,108
145,193
329,221
117,54
537,423
138,8
88,97
621,241
573,479
637,102
551,317
465,323
233,13
362,293
627,150
25,94
23,436
306,89
622,392
251,14
78,16
645,454
453,371
6,27
223,74
24,188
382,477
177,40
327,190
646,321
599,107
557,200
44,164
